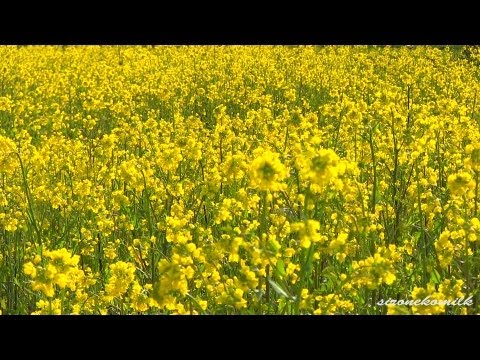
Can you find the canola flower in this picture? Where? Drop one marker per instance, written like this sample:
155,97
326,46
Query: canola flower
238,179
267,171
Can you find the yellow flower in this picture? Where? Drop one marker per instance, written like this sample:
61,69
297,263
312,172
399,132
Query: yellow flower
123,275
319,167
460,183
474,159
266,171
397,310
30,270
8,159
435,300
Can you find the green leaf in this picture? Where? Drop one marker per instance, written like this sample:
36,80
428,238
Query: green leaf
273,246
278,289
281,267
435,277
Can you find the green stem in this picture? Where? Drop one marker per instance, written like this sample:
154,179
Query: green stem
423,248
374,163
29,200
263,230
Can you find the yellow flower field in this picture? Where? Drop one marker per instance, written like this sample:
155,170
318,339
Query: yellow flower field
239,179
